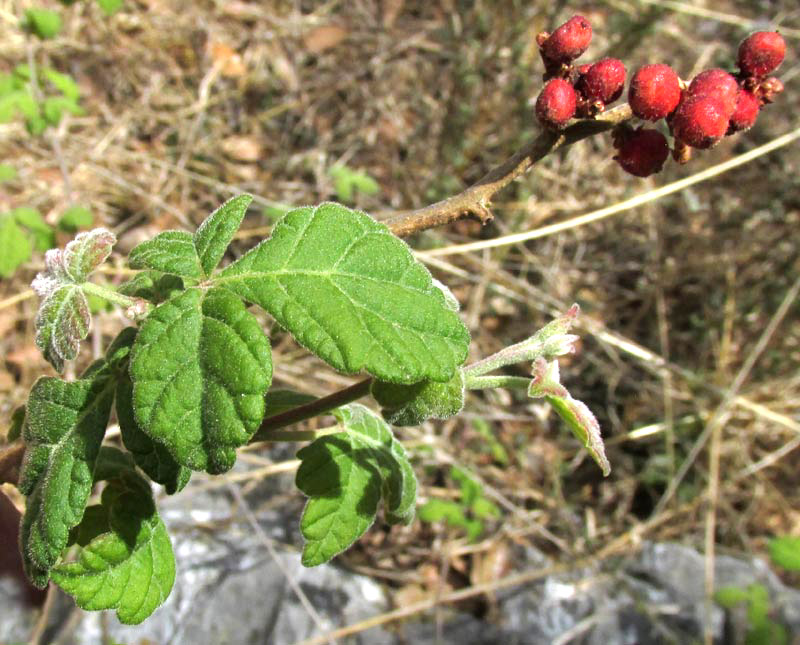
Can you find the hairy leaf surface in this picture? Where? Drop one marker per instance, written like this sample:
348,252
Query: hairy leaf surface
216,232
410,405
352,293
345,475
129,565
201,366
65,424
168,252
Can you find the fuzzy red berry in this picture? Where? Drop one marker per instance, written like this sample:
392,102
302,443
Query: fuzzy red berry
604,80
569,41
556,104
761,52
717,83
700,121
655,92
642,152
746,112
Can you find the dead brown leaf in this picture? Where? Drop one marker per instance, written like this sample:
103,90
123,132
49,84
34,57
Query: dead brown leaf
324,37
242,148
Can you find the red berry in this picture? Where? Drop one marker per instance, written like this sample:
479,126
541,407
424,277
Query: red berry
744,116
556,104
642,152
761,52
655,91
604,80
719,84
569,41
700,121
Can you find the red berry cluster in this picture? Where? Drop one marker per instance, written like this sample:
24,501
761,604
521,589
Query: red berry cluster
714,104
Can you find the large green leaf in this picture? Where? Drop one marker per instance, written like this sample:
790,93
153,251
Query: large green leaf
216,232
15,247
128,565
201,366
65,424
410,405
352,293
345,475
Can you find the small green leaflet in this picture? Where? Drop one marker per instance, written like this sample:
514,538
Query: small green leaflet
63,318
65,424
45,23
583,424
352,293
15,247
193,256
110,7
128,564
201,366
410,405
785,552
345,475
75,218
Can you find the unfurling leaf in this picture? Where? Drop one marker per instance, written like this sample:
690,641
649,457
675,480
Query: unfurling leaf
410,405
352,293
63,318
65,423
581,421
201,366
128,564
345,475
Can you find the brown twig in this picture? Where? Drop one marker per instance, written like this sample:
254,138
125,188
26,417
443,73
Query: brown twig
10,462
475,200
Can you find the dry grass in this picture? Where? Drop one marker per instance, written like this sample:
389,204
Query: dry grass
185,108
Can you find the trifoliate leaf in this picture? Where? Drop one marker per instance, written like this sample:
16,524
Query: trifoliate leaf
63,318
15,248
65,423
410,405
75,218
352,293
130,566
213,236
201,366
168,252
576,415
45,23
345,475
785,552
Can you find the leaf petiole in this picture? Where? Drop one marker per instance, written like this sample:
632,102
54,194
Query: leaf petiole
115,297
475,382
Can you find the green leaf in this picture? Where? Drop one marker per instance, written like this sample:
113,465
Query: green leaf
7,172
65,424
345,475
347,181
153,286
168,252
213,236
784,551
352,293
17,422
45,23
730,597
279,401
129,567
438,510
15,248
75,218
110,7
43,235
64,83
410,405
575,414
201,366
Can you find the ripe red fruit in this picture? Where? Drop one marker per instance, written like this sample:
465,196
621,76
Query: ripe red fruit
556,104
700,121
744,116
655,92
761,52
642,152
604,80
569,41
719,84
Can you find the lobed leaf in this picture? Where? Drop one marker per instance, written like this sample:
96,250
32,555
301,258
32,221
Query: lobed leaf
65,424
213,236
128,565
410,405
200,367
62,322
345,475
352,293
